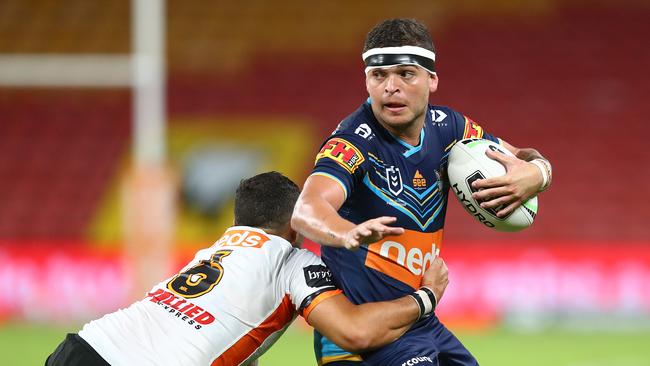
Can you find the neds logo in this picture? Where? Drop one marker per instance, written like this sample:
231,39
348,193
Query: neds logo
405,257
414,259
243,238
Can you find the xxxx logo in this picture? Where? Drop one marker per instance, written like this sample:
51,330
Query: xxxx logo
394,179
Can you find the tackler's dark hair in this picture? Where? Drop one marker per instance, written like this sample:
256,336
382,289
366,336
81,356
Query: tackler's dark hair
265,201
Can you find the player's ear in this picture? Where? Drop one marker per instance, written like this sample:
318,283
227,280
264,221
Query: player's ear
367,85
433,83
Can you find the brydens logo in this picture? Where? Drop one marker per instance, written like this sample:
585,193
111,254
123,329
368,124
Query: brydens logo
317,276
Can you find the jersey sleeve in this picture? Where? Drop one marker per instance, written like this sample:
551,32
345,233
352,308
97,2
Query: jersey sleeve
308,281
466,128
343,158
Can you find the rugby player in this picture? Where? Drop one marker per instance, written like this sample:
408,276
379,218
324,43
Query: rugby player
233,301
379,187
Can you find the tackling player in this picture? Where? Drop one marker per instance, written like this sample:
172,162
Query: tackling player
233,301
385,165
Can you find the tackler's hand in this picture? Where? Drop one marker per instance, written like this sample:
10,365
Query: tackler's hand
371,231
507,192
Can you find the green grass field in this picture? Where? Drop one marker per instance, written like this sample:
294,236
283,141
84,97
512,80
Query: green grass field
29,345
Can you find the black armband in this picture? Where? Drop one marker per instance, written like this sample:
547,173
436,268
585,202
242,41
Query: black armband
426,300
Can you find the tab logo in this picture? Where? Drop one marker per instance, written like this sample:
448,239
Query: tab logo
394,180
242,238
405,257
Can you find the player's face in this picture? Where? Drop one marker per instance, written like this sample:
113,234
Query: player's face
400,94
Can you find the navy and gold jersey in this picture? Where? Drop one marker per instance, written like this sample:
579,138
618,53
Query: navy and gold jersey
383,176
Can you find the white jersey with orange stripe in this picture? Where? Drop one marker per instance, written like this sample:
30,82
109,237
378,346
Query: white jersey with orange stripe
226,307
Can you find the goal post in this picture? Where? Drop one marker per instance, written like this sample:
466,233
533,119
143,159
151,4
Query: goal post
149,187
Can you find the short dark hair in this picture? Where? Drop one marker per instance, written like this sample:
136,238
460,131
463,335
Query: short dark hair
399,32
265,201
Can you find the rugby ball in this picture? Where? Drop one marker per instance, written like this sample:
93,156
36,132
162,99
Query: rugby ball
467,163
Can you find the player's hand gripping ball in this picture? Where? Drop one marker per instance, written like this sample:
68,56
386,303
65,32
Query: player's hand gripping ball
467,163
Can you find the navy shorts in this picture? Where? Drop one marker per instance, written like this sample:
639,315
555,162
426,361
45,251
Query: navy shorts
74,351
427,343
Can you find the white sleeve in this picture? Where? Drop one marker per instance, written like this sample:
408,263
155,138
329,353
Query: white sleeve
307,278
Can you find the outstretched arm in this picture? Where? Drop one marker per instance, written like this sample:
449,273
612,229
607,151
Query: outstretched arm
316,217
526,175
358,328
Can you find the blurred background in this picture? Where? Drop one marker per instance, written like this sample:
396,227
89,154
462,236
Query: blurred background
125,126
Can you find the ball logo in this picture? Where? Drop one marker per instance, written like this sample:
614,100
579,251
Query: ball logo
242,238
467,163
470,207
474,177
342,152
494,148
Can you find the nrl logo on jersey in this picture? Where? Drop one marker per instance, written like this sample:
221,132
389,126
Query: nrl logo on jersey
394,180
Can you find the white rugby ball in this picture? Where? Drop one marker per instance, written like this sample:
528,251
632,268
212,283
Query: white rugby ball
467,163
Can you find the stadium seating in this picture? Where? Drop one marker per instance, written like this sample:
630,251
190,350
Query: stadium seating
58,153
571,81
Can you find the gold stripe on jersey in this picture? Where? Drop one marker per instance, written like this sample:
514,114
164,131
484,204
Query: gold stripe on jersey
347,357
450,145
